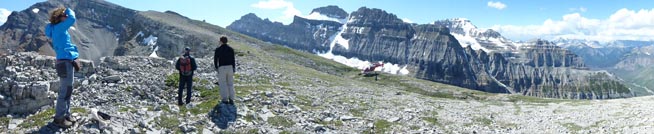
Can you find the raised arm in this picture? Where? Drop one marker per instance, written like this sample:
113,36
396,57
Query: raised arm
70,20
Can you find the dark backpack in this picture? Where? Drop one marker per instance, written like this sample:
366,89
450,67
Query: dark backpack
185,68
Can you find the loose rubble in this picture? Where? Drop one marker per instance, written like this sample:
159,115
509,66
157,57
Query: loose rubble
137,93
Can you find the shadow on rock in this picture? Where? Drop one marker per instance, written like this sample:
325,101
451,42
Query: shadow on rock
49,128
223,115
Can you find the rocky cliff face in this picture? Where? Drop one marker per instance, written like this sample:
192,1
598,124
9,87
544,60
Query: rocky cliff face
302,34
106,29
433,52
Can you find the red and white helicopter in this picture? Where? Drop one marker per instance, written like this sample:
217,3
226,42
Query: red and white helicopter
370,71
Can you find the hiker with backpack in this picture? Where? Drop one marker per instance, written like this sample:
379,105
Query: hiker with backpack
61,19
186,66
225,63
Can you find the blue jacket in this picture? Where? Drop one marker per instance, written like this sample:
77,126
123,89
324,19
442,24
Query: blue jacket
61,39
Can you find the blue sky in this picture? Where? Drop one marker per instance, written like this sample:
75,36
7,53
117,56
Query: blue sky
517,19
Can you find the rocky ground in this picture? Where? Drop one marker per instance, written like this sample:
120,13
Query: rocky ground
283,91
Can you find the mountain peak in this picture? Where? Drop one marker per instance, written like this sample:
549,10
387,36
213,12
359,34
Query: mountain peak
331,11
374,14
461,26
250,16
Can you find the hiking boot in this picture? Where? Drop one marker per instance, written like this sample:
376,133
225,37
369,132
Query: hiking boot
231,101
68,118
62,123
180,104
225,102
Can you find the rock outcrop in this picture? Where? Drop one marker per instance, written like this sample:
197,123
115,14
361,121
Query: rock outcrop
28,81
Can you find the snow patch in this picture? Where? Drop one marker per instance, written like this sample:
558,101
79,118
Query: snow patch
407,20
404,71
35,10
140,34
319,16
362,64
338,39
154,52
150,41
466,41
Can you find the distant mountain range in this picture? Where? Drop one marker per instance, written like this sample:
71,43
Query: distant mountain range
451,51
631,60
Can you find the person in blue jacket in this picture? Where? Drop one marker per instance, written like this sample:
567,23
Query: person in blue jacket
61,19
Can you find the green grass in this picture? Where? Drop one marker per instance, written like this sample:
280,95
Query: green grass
167,122
357,111
381,126
304,102
310,60
572,127
4,121
414,127
280,121
249,118
432,120
203,107
285,84
253,131
128,88
38,119
518,109
531,99
247,90
42,118
172,80
483,121
335,123
78,110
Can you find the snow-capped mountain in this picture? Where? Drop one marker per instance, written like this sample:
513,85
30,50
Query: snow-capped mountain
479,39
567,43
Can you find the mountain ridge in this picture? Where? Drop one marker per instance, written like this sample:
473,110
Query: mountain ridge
375,35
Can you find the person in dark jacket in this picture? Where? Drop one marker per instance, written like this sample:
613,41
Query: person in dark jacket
61,19
225,63
186,66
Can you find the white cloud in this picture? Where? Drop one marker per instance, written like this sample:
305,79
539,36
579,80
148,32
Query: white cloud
289,9
624,24
4,13
497,5
580,9
407,20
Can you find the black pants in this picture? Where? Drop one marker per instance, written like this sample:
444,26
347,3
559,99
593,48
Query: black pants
185,81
